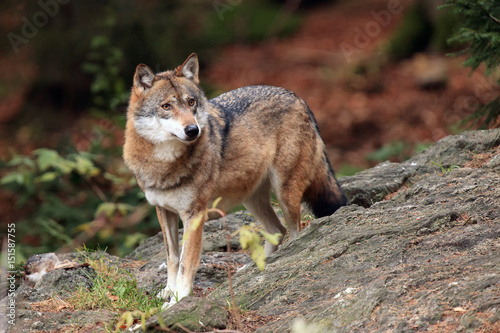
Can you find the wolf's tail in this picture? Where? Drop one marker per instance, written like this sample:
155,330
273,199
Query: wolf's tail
324,196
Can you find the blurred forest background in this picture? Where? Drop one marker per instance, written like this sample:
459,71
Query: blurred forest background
374,72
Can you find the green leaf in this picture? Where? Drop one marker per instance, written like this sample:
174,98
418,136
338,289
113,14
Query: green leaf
193,225
271,238
114,179
246,237
124,208
65,166
22,160
46,158
250,239
259,257
14,177
83,165
134,239
47,177
216,202
106,208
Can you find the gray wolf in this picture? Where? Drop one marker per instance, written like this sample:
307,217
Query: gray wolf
185,151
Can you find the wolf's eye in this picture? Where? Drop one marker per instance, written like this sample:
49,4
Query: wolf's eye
166,106
191,102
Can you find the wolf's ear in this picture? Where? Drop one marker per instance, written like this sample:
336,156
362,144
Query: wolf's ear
189,69
143,78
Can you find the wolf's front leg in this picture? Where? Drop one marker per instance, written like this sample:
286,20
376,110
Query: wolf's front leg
191,252
169,223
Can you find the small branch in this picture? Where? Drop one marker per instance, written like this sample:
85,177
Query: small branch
491,16
97,190
183,328
166,329
494,18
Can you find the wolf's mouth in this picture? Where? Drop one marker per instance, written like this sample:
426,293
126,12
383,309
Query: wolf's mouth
186,140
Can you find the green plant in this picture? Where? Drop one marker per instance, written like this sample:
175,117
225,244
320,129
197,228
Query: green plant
480,31
250,235
115,290
104,62
250,238
396,151
67,200
412,35
248,21
443,168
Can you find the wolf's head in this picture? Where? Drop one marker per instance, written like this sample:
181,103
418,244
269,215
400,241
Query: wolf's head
169,105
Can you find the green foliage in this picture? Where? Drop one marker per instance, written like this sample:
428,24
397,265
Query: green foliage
480,31
396,151
114,289
246,21
80,197
412,35
250,238
104,64
445,169
127,319
250,235
347,170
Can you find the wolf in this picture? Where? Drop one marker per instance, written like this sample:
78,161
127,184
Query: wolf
185,151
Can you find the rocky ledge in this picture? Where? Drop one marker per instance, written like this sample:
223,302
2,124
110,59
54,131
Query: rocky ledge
417,249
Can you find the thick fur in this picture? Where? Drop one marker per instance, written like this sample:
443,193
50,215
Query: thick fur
251,141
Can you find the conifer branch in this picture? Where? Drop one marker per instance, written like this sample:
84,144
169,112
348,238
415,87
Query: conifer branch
491,16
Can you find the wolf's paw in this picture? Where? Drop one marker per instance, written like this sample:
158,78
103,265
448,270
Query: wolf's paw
166,305
165,293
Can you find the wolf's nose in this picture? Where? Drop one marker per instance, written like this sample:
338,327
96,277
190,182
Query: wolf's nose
191,131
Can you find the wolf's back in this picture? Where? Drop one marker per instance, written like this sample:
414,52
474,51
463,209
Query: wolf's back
236,102
272,107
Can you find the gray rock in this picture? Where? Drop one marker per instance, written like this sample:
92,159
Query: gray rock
193,313
373,185
412,261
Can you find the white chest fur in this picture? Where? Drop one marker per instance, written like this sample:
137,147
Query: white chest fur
177,200
169,151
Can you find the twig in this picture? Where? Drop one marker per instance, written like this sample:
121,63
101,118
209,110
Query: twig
491,16
166,329
97,190
229,279
494,18
183,328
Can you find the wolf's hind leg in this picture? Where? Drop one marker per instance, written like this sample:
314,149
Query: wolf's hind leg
260,206
169,223
289,198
